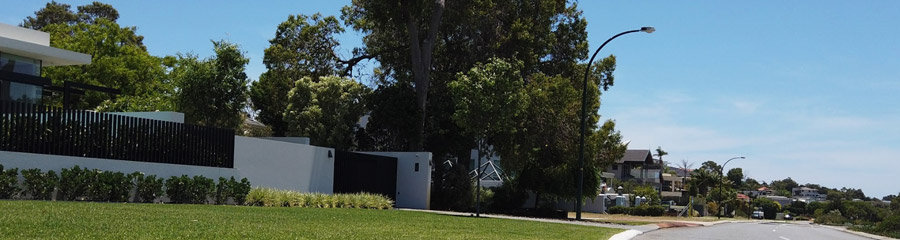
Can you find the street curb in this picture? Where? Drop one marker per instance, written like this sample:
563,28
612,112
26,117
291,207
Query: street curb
861,234
626,235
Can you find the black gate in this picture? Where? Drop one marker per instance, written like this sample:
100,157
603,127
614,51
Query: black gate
358,172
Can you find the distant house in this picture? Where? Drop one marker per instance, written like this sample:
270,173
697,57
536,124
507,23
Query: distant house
672,185
743,197
760,192
637,165
805,194
784,201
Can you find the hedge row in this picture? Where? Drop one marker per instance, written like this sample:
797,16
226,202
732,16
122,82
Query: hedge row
284,198
83,184
642,210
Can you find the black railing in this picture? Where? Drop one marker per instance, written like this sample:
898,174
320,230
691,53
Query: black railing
33,128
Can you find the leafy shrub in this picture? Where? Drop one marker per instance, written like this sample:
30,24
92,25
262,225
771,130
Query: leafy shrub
239,190
108,186
73,183
833,217
647,210
40,185
178,189
148,187
9,180
222,191
508,197
284,198
201,189
890,226
617,210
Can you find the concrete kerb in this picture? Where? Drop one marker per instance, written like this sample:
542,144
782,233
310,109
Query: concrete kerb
861,234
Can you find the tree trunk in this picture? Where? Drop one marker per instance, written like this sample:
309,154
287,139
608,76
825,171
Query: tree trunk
420,56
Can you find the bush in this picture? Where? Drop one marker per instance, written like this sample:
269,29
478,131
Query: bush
40,185
148,187
647,210
890,226
73,183
231,188
108,186
617,210
284,198
507,197
222,191
178,189
832,218
201,189
9,181
239,190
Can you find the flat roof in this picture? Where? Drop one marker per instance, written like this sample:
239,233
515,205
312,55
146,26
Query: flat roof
36,44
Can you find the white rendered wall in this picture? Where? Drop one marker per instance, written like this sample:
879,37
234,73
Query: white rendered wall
162,116
57,163
300,140
284,165
413,187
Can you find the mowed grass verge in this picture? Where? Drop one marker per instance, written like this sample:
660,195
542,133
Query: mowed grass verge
88,220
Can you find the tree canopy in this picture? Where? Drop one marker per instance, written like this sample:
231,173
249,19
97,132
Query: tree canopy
213,92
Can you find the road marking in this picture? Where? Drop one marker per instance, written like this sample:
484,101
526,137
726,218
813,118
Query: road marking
784,238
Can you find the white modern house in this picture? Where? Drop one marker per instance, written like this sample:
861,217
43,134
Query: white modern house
33,135
23,52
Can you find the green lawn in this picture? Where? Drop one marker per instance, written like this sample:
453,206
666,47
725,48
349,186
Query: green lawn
84,220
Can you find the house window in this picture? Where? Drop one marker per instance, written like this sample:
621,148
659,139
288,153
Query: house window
19,64
13,91
615,167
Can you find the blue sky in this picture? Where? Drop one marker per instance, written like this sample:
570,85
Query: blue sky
805,89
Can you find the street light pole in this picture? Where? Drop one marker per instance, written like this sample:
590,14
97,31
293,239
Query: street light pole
722,175
587,71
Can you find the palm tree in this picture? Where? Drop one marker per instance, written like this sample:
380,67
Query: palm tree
660,153
685,167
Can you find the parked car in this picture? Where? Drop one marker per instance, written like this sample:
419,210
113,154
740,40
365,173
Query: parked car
758,214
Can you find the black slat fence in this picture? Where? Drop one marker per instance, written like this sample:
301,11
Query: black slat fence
34,128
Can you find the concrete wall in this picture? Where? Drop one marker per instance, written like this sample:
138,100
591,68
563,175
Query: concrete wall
300,140
57,163
162,116
284,165
413,187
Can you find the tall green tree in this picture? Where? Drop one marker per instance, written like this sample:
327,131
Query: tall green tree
736,176
490,101
303,46
213,92
327,111
412,25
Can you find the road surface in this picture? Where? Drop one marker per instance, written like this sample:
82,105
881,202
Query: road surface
752,230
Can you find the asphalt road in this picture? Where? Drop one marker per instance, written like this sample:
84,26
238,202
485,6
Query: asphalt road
751,230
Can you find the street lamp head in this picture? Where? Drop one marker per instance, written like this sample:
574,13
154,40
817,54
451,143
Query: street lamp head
648,29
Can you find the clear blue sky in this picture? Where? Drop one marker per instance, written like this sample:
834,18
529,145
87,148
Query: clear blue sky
806,89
